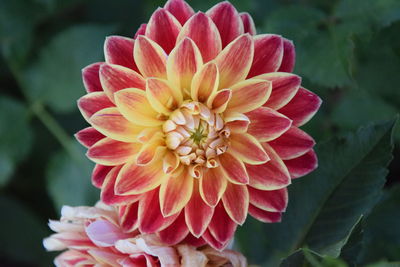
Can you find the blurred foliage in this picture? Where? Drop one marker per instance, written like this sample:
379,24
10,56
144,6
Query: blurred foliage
348,52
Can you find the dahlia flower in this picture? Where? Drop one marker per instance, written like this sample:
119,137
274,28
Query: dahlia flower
93,236
194,123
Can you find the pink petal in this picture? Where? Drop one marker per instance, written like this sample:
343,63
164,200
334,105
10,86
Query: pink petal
247,148
265,216
176,232
150,58
236,202
202,30
233,168
222,227
268,52
104,233
88,136
93,102
212,186
292,144
302,165
90,77
273,201
163,28
118,50
227,20
99,174
141,30
180,9
289,56
129,216
302,107
248,23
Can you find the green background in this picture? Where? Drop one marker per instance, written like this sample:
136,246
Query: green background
348,52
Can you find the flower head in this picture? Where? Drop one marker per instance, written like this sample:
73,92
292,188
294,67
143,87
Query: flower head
93,236
194,122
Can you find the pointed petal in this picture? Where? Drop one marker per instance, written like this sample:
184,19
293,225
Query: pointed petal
222,227
234,61
119,50
246,148
205,82
197,213
255,91
219,100
90,77
265,216
88,136
213,242
289,56
170,162
163,96
163,28
302,107
111,123
114,78
150,218
268,53
176,232
236,122
183,62
212,186
110,152
292,144
267,124
302,165
193,241
99,174
233,168
150,149
175,192
129,216
93,102
202,30
150,58
284,88
248,23
108,195
104,233
273,201
141,30
236,202
271,175
135,107
227,20
181,10
135,179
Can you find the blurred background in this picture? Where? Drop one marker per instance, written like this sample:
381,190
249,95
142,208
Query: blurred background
348,52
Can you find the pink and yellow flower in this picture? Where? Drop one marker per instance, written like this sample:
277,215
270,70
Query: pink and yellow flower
194,123
93,236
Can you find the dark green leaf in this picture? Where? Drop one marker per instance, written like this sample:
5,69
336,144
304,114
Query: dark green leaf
352,249
308,258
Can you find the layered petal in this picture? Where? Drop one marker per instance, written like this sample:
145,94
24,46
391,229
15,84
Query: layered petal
268,53
289,56
128,215
163,28
88,136
90,77
246,148
265,216
255,91
248,23
135,107
114,78
197,213
271,175
149,149
219,100
111,123
180,9
272,201
236,202
175,193
235,60
302,165
267,124
111,152
236,122
99,174
284,88
150,58
292,144
205,82
233,168
212,186
93,102
163,96
221,227
302,107
119,50
202,30
227,20
176,232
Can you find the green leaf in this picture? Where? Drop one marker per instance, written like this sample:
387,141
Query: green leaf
350,252
56,78
324,206
382,232
68,180
21,233
307,258
384,264
15,135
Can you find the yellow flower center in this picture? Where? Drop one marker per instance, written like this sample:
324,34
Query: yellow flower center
196,134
